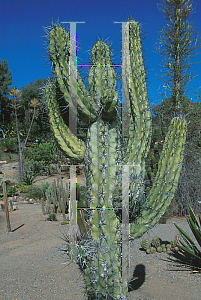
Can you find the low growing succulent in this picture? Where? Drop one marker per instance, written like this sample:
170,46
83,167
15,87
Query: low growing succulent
156,242
159,249
153,250
52,217
148,251
145,244
173,243
158,245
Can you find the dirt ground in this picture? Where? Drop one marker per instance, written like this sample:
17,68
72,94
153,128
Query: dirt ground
32,267
31,264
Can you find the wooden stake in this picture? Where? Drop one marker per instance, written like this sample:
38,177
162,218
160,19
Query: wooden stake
6,206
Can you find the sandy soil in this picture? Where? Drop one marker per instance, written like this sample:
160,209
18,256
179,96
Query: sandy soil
31,263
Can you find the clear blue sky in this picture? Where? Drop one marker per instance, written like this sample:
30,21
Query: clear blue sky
21,31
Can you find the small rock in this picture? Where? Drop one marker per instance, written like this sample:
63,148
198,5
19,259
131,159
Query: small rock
3,162
15,207
25,202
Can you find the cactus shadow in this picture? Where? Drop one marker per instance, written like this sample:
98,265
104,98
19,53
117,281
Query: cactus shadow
138,278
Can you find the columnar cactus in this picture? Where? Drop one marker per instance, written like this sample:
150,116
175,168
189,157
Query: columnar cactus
103,154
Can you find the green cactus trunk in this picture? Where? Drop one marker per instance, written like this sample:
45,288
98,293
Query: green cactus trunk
103,223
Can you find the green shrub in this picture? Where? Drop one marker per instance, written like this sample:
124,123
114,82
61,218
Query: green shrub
2,207
23,188
38,168
35,193
8,144
48,152
11,190
52,217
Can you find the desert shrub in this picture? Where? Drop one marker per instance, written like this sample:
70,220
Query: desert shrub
35,193
189,188
11,190
52,217
8,144
48,152
38,159
22,187
39,168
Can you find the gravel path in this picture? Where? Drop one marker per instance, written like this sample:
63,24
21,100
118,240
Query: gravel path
31,266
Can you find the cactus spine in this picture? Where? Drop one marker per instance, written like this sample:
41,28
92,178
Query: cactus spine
102,153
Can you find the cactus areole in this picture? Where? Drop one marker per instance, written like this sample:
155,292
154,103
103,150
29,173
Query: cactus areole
106,150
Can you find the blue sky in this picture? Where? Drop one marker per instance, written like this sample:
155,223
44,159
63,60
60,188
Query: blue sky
21,34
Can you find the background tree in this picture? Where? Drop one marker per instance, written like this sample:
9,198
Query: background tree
5,109
178,46
41,127
16,105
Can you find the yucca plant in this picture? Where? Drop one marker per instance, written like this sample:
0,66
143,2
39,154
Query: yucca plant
190,247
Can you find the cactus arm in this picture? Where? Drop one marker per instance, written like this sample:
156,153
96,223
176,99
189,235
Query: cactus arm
59,54
166,180
70,144
134,83
136,93
102,75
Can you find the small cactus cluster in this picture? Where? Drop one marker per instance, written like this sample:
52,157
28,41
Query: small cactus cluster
157,245
56,198
52,217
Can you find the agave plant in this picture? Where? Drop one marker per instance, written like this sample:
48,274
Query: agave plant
105,152
195,226
28,177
